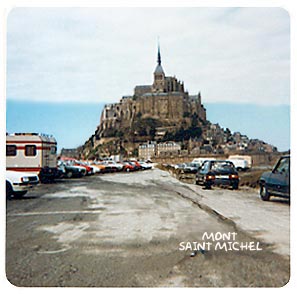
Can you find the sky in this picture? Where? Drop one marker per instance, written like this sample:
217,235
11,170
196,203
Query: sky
72,59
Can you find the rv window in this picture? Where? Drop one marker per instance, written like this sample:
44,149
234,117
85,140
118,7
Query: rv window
53,150
30,150
11,150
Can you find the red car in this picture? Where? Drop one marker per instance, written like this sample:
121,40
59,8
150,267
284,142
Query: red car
137,164
76,162
128,167
89,169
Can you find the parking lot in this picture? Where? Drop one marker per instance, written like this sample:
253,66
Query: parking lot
125,229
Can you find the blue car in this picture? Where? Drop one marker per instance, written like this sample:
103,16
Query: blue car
276,182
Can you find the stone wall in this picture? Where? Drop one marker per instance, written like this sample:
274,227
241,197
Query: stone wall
257,159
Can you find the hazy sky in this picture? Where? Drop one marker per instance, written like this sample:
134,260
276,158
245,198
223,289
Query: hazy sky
238,55
65,56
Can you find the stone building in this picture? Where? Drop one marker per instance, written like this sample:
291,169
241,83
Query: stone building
168,148
147,150
151,149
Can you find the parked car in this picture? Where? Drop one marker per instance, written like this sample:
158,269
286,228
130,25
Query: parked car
200,160
18,183
99,165
115,166
191,167
180,166
128,167
95,168
217,172
109,168
276,182
89,169
137,164
71,171
145,165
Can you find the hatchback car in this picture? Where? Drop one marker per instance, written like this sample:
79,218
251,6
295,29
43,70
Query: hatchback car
217,172
276,182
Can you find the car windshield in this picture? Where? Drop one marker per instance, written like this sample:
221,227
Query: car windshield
193,164
283,166
223,166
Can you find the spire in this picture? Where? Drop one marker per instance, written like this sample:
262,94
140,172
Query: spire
159,69
159,54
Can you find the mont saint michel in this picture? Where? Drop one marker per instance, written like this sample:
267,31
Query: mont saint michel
163,112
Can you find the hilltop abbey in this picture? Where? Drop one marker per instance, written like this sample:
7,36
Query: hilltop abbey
165,100
163,112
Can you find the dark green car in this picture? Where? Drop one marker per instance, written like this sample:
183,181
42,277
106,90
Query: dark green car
276,182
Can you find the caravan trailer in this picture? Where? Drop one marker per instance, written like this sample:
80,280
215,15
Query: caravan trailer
34,153
241,162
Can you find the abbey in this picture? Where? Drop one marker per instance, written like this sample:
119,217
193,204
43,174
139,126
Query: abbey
165,100
159,113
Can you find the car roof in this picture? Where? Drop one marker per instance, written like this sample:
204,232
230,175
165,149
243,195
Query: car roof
229,161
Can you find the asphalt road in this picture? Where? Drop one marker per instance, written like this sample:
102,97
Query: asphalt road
127,229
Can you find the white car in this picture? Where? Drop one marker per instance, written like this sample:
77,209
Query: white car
96,169
114,164
145,165
18,183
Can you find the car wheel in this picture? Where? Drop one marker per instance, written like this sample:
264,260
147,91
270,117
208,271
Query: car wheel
9,190
235,186
264,193
69,174
19,194
83,173
127,170
207,186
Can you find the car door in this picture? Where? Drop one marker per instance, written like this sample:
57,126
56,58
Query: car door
279,181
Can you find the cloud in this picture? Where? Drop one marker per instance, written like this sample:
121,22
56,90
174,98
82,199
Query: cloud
100,54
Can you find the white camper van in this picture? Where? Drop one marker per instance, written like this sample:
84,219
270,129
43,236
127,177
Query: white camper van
34,153
241,162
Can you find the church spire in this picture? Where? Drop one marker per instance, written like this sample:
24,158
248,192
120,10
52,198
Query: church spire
159,69
159,54
159,75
